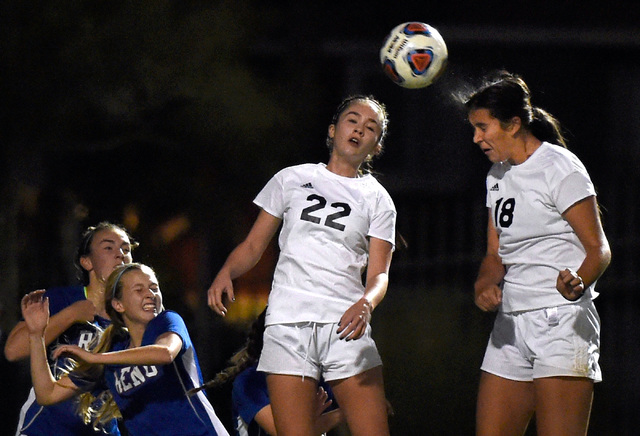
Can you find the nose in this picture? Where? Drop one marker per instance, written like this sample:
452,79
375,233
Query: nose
477,136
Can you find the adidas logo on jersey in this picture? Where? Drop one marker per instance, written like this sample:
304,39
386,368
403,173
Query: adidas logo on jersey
307,185
495,188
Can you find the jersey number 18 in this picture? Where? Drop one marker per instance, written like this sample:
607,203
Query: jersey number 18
504,212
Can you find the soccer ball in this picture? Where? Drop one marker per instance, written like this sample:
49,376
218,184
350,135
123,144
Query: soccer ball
413,55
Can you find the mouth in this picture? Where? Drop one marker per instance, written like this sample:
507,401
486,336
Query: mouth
354,141
150,306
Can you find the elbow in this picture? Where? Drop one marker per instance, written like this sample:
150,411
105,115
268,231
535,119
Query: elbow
606,259
12,354
44,400
167,356
605,256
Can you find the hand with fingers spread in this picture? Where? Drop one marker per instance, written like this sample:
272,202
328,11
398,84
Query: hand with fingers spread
355,320
322,401
570,285
35,310
221,285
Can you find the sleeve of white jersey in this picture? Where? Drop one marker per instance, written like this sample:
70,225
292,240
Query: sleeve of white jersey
383,220
271,197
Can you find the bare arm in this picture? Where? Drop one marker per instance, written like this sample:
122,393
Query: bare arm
355,320
584,218
17,345
264,418
324,421
244,257
162,352
487,291
48,390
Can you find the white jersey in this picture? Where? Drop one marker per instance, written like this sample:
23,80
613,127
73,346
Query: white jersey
536,242
324,241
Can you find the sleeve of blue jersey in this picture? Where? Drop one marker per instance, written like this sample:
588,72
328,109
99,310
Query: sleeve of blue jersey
167,321
61,297
249,393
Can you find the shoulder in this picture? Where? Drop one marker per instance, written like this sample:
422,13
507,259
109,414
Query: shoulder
293,174
250,375
170,318
63,296
555,156
301,170
374,189
250,383
69,292
166,321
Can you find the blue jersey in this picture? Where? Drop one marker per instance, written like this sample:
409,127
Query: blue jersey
62,418
152,398
249,395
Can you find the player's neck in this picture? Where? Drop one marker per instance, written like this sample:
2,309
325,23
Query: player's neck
136,332
342,168
95,292
529,145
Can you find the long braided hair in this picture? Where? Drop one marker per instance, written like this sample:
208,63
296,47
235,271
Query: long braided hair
242,359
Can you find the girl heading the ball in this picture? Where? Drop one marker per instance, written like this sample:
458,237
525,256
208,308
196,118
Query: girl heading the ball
545,250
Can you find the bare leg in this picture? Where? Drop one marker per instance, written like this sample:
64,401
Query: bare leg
563,405
504,406
293,404
363,403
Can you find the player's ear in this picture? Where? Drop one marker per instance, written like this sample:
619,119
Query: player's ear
332,131
117,305
376,151
85,263
515,124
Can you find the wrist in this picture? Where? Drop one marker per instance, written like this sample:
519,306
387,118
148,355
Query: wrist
584,288
36,336
368,303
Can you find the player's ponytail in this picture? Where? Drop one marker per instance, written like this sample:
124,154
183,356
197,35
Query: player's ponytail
506,95
100,409
546,127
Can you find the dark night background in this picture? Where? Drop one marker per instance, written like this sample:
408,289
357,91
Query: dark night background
169,116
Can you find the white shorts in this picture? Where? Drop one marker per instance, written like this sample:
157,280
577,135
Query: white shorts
314,350
550,342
